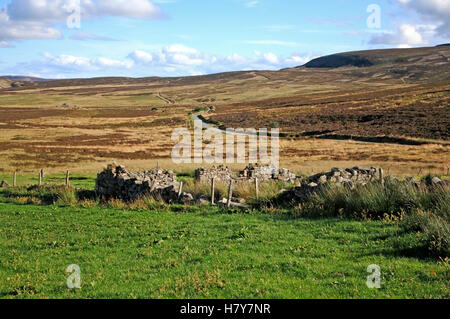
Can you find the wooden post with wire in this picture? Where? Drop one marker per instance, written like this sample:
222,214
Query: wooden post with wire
180,190
213,186
257,188
381,176
67,178
40,178
15,179
230,193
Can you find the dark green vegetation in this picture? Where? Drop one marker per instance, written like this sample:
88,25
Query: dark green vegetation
146,249
336,61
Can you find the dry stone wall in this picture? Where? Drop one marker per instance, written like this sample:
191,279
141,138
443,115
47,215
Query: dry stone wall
117,182
220,173
349,176
265,173
262,173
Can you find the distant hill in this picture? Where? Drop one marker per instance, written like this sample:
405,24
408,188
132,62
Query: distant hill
23,78
427,55
396,66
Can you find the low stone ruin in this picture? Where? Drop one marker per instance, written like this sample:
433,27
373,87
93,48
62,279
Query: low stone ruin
117,182
252,171
349,177
219,173
265,173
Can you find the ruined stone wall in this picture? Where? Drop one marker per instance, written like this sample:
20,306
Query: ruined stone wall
262,173
265,173
117,182
349,176
220,173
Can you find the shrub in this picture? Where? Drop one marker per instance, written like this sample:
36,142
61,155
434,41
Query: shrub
435,228
66,197
377,201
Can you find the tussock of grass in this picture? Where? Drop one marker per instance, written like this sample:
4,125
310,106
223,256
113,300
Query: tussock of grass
46,194
376,201
436,230
425,210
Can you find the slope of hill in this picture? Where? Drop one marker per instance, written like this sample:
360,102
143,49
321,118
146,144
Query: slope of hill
429,56
24,78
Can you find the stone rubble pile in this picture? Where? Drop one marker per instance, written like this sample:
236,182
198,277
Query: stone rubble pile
117,182
220,173
429,183
265,173
349,177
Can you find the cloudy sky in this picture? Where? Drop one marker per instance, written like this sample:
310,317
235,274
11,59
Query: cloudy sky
48,38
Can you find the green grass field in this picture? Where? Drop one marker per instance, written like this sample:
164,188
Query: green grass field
193,252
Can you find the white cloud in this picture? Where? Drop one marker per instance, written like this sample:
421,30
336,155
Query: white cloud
141,57
271,58
429,24
138,9
432,11
74,63
184,60
297,60
173,56
4,44
252,3
33,19
13,30
406,35
58,10
172,60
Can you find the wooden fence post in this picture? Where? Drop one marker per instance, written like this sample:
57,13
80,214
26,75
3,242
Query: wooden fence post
40,179
213,186
67,178
381,176
15,179
257,188
42,173
180,190
230,193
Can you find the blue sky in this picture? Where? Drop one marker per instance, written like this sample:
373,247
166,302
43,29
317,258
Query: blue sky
189,37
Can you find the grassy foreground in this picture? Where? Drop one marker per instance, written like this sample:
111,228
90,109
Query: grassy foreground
183,252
